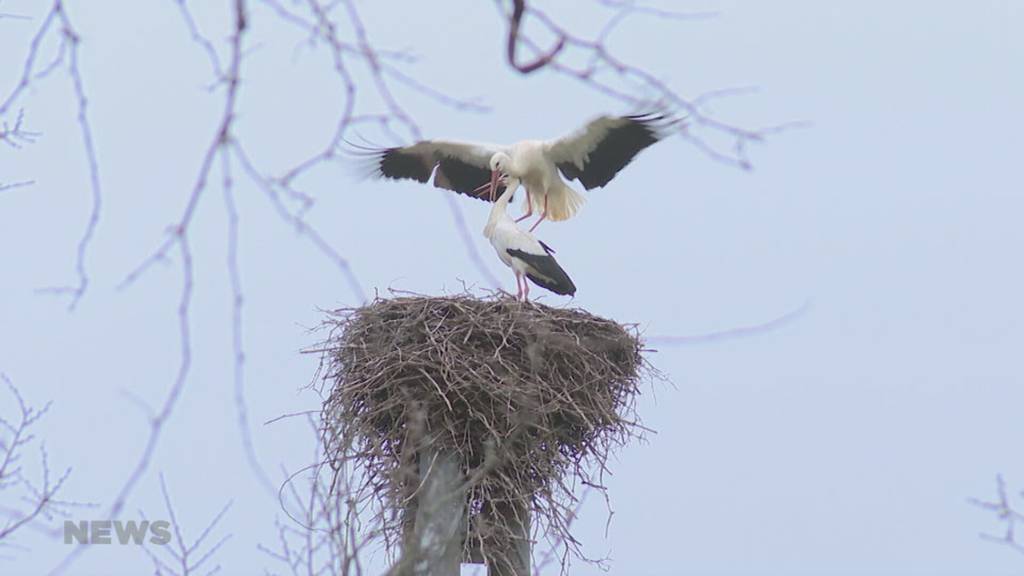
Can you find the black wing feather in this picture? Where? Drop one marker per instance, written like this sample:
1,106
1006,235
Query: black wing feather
546,272
395,164
451,173
616,150
462,177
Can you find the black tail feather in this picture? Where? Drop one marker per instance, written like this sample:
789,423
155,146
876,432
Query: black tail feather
545,272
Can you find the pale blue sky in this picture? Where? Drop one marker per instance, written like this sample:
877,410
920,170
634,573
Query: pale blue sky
847,442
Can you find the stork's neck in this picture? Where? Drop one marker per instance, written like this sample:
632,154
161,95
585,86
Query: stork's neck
501,204
499,212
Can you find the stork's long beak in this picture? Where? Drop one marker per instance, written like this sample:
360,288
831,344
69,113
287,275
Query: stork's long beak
494,184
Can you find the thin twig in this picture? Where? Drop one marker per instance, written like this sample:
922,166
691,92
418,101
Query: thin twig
738,332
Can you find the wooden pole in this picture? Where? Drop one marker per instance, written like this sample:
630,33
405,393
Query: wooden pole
438,533
440,516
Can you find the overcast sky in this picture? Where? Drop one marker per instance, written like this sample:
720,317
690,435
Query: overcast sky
846,442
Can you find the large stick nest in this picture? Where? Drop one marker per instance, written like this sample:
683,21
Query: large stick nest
531,398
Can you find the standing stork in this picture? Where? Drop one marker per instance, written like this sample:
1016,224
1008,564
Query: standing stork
528,257
594,154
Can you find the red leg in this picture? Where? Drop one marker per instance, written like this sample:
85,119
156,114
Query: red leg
529,209
526,290
519,287
543,214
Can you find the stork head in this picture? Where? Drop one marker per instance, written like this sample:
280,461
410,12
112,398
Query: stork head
500,164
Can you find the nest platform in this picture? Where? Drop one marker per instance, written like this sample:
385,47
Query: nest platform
528,399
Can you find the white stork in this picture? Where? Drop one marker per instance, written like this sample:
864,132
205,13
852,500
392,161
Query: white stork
593,155
528,257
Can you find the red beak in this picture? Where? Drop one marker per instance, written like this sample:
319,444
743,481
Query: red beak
494,185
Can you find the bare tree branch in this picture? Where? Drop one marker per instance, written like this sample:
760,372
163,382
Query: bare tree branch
16,136
10,16
68,47
738,332
41,498
30,59
178,237
322,27
604,72
183,558
518,9
237,301
13,185
72,41
1010,514
200,39
325,535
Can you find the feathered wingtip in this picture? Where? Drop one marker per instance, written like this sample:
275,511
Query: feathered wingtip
394,162
659,118
366,158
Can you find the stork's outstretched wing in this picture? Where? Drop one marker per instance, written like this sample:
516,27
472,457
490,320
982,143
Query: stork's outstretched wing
457,166
598,151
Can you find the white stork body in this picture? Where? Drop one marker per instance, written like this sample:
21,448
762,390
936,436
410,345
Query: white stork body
528,257
593,155
546,192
